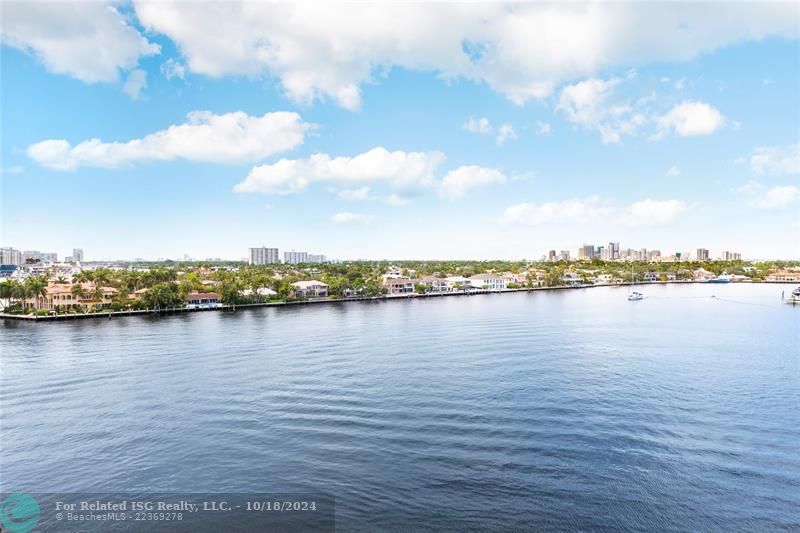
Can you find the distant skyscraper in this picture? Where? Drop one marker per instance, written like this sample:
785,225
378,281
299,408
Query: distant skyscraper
702,254
316,258
563,255
731,256
551,255
586,252
10,256
77,255
295,258
613,250
264,256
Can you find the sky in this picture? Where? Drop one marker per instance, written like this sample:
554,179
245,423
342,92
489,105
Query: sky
389,131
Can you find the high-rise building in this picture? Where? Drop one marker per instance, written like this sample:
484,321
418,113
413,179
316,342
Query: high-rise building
613,250
731,256
563,255
264,256
10,256
77,255
702,254
316,258
295,258
551,255
586,252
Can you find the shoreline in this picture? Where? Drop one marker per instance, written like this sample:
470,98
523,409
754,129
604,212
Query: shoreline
233,307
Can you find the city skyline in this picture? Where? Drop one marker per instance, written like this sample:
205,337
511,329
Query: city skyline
479,142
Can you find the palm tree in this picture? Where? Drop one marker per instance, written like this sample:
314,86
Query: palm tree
37,288
77,291
61,279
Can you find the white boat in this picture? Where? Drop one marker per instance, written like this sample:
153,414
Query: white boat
794,297
634,295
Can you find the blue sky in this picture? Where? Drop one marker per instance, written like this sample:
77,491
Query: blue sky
399,141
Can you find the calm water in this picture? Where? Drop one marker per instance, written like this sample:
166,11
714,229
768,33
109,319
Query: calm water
553,410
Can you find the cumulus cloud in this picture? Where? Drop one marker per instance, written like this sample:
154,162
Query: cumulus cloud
402,170
90,41
173,69
778,197
396,200
135,84
575,211
347,217
651,212
592,210
594,105
775,160
478,125
362,193
326,51
690,119
673,171
230,138
457,182
504,133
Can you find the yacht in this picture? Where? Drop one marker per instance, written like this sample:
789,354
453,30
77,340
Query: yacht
794,297
635,296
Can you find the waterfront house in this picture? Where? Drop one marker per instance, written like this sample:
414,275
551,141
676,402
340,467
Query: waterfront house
702,274
783,276
203,300
571,279
310,289
264,292
434,283
457,282
492,282
395,286
60,297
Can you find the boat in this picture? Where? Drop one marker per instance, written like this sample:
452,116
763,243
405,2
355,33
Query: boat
634,295
722,278
794,297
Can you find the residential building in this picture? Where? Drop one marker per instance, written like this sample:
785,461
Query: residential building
731,256
613,251
702,274
316,258
264,256
702,254
586,252
492,282
10,256
572,278
551,256
203,300
60,296
784,275
77,255
310,289
434,283
563,255
395,286
457,282
295,258
264,292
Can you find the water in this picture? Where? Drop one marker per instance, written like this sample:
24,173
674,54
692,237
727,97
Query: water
550,410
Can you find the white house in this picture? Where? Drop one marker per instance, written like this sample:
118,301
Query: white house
435,284
310,289
265,292
454,282
492,282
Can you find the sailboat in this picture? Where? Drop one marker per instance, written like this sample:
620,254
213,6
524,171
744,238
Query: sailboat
634,295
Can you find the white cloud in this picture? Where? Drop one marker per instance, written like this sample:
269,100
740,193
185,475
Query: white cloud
680,84
12,170
575,211
673,171
778,197
173,69
396,200
543,128
206,137
135,84
505,132
593,104
328,50
651,212
362,193
90,41
592,210
775,160
346,217
478,125
457,182
403,170
691,118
